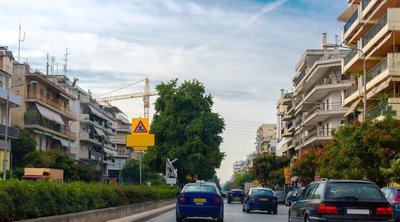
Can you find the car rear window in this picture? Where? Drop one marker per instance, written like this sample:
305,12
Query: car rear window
262,192
353,191
237,191
199,188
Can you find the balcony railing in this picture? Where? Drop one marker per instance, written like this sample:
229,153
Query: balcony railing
34,118
377,110
289,107
324,107
51,102
319,132
351,21
365,3
378,69
372,33
350,55
349,91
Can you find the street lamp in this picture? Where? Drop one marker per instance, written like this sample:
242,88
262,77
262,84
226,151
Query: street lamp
6,128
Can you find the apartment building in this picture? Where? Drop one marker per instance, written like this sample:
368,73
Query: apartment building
239,166
285,127
318,109
372,31
44,110
6,71
266,138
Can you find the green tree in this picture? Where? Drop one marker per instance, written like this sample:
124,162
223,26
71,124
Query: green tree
185,128
241,177
306,167
268,168
131,174
360,151
22,146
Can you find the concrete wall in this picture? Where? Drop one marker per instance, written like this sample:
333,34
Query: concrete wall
107,213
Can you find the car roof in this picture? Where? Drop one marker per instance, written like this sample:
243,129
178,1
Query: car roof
201,183
236,190
347,181
260,188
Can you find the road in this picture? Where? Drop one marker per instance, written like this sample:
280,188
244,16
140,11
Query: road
233,212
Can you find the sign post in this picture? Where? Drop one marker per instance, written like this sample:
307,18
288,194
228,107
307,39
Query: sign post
170,172
140,139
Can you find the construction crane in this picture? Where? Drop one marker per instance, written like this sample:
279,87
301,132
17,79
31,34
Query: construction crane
145,95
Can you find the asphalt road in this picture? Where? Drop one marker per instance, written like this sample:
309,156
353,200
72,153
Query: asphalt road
233,212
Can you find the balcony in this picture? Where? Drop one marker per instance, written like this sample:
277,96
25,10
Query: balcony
124,128
51,104
90,155
353,27
324,88
391,107
34,120
373,10
317,136
380,39
323,111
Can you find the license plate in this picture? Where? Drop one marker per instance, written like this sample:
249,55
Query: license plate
358,211
263,199
199,200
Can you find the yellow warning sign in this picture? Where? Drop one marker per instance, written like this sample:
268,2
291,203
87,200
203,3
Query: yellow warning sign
140,126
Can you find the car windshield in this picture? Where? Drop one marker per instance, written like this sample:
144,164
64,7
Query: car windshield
353,191
237,191
199,188
262,192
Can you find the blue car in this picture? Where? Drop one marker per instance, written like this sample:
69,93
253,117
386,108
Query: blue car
200,199
260,199
392,195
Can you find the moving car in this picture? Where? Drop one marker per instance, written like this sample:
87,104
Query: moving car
200,199
236,195
392,195
260,199
295,193
280,195
340,200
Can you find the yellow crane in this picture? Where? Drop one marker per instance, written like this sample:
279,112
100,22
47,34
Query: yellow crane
145,95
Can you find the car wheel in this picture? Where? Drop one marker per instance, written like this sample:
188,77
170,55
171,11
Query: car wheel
220,219
178,219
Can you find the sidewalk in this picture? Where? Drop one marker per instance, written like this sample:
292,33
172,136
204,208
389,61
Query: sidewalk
145,215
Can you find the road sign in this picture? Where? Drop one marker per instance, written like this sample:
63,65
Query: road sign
170,172
140,126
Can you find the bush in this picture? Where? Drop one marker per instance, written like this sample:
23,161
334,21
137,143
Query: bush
26,199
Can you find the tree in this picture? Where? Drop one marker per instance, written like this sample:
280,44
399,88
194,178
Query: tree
22,146
131,174
185,128
241,177
268,168
359,151
306,167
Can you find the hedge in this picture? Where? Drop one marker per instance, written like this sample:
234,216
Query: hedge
26,199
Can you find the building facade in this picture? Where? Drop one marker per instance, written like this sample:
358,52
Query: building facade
266,138
285,127
372,31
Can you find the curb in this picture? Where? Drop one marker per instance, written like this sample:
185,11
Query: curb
145,216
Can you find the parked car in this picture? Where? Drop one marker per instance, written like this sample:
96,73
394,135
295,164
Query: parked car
200,199
235,195
392,195
260,199
280,195
224,193
340,200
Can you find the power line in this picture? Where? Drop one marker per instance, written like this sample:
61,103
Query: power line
122,88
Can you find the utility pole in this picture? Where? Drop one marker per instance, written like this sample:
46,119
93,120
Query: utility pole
20,40
66,61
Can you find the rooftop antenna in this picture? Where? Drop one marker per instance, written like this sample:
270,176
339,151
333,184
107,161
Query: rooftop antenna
20,40
52,60
47,64
66,61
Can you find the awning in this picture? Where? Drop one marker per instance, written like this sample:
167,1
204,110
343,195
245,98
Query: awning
99,132
65,143
97,113
352,107
50,115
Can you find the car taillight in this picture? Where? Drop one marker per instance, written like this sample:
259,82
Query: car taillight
182,199
324,209
384,210
217,200
396,199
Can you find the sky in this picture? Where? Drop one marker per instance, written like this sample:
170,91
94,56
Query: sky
243,51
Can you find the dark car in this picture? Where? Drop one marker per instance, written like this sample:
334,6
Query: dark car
341,200
200,199
224,193
235,195
280,195
260,199
392,195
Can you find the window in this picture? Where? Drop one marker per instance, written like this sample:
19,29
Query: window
318,191
199,188
262,192
359,191
306,195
